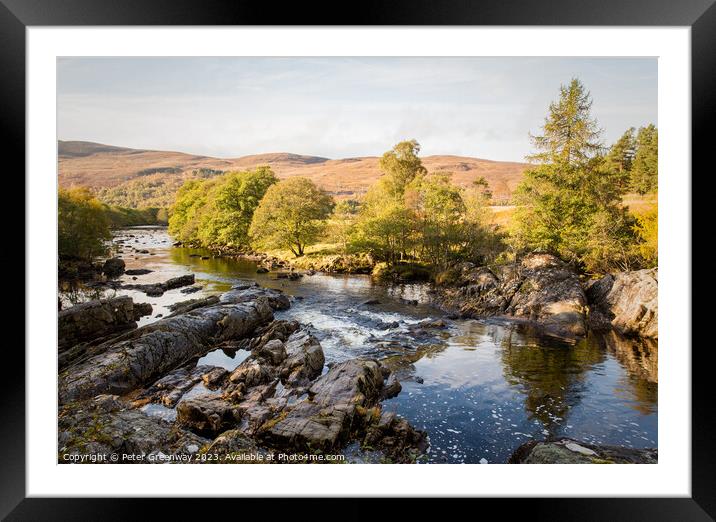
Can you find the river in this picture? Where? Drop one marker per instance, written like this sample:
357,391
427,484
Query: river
480,388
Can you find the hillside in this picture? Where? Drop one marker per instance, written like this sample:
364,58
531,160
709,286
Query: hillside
138,178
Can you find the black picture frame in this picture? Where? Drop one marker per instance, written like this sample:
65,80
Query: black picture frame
700,15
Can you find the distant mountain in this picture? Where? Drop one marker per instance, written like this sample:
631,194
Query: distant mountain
137,177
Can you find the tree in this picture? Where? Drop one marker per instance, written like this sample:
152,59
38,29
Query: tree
189,208
218,211
645,171
400,166
483,186
342,221
234,201
386,226
621,155
481,240
82,224
439,210
570,135
569,203
291,215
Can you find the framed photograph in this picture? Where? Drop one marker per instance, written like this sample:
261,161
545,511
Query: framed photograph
440,245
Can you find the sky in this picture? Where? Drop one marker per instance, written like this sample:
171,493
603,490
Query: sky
338,107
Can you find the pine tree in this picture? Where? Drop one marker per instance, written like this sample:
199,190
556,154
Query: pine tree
569,203
570,136
645,172
621,155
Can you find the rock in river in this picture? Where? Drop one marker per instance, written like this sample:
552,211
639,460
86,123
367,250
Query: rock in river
541,289
568,451
157,289
113,267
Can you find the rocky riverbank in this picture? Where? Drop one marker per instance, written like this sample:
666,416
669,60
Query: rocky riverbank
548,294
281,398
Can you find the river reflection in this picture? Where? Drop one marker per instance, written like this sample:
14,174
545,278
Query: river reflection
479,388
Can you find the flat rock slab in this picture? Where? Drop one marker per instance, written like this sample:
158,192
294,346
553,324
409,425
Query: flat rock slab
142,355
157,289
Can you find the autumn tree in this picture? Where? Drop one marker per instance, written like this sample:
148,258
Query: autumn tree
82,224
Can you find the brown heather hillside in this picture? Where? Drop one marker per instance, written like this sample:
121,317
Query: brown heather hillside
135,177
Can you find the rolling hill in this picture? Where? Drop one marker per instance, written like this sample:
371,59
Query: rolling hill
141,178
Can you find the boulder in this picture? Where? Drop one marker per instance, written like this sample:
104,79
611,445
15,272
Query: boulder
323,421
169,390
207,414
549,294
304,359
96,319
138,271
113,267
142,309
628,302
192,304
273,351
541,290
249,291
395,438
232,442
568,451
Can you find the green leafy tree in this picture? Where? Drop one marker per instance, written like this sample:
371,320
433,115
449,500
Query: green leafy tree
233,202
291,215
386,227
400,166
83,226
621,155
189,209
341,223
217,211
482,242
645,170
569,203
439,210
